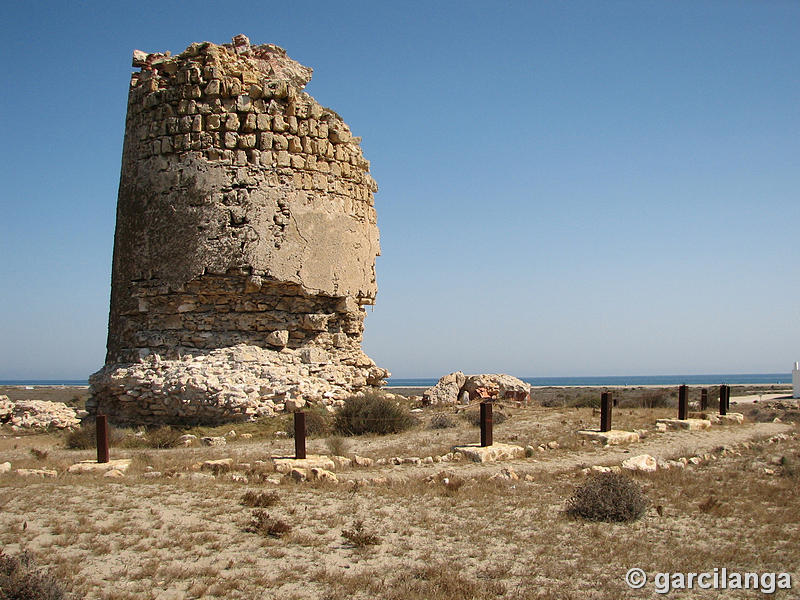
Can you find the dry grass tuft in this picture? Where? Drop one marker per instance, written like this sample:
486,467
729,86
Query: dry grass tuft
442,421
39,454
259,500
359,537
610,497
337,445
20,579
263,524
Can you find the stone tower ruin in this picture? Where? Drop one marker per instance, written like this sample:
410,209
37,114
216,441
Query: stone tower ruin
245,243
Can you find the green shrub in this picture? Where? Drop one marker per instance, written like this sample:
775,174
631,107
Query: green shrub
21,580
372,413
611,497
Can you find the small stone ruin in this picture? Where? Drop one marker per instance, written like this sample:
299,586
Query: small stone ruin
245,243
457,387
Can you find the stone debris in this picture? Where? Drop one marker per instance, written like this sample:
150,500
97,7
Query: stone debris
5,467
458,387
341,462
286,464
187,440
37,414
495,452
92,466
221,465
613,437
644,463
114,474
37,472
323,475
507,474
245,246
214,441
361,461
685,424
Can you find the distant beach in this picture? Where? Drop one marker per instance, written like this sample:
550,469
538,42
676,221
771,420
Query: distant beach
631,380
583,381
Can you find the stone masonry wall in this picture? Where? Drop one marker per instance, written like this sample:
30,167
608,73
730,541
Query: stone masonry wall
245,217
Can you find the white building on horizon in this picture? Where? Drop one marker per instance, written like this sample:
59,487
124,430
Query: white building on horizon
796,380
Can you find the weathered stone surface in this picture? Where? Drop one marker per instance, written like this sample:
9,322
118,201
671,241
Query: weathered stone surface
732,418
245,218
92,466
36,472
312,461
5,467
37,414
221,465
688,424
323,475
495,452
457,387
613,437
218,440
362,461
643,462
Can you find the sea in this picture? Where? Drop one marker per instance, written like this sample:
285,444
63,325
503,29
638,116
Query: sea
583,381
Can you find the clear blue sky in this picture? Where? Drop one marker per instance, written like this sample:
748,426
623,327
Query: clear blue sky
566,188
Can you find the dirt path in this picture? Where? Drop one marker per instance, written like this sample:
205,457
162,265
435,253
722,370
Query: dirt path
669,445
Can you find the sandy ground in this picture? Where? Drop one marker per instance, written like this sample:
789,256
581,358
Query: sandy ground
170,538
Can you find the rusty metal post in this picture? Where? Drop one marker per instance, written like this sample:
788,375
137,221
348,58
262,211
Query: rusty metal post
606,402
704,399
683,402
101,428
723,401
299,435
486,424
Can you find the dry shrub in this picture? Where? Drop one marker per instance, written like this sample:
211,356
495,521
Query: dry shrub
163,437
611,497
442,421
259,500
85,437
452,484
263,524
21,580
790,467
473,417
337,445
39,454
372,413
649,399
358,537
318,423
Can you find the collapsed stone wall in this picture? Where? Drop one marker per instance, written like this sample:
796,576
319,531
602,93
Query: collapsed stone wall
245,219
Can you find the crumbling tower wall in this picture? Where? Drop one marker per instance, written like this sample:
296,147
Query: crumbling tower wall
245,243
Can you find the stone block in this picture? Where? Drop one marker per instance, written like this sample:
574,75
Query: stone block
92,466
284,464
495,452
686,424
613,437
